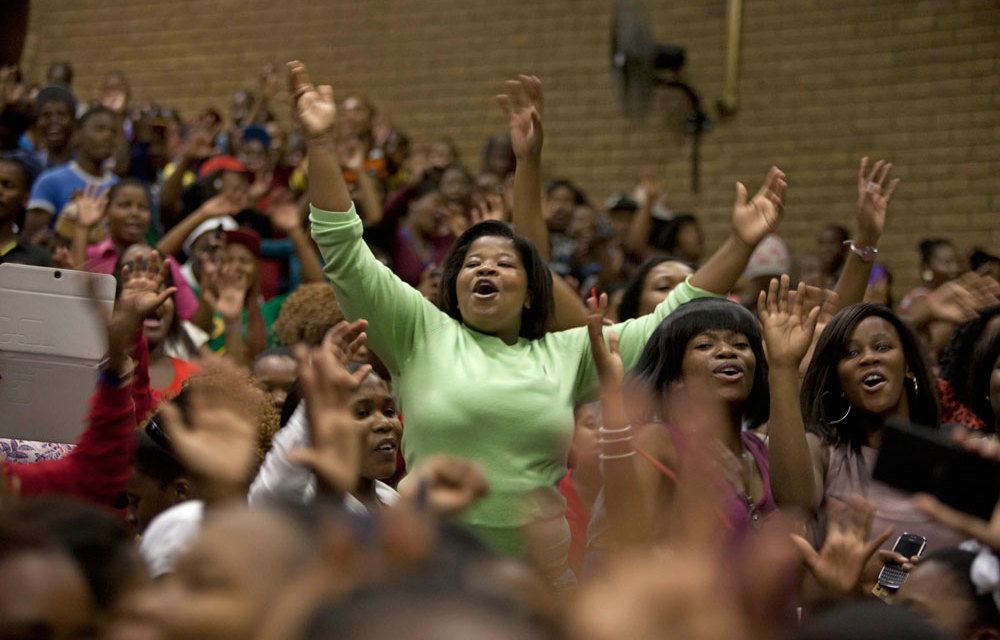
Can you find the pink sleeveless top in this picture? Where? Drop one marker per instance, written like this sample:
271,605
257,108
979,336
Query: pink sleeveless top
849,473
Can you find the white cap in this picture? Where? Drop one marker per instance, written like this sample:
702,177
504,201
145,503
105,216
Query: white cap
226,222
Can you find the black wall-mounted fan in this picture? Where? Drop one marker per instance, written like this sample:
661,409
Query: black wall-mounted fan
639,65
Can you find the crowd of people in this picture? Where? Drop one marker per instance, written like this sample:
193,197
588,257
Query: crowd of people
356,389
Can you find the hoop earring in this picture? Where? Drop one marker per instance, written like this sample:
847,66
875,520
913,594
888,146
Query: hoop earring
916,385
822,407
927,276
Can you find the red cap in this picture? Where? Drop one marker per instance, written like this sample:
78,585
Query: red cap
246,237
221,163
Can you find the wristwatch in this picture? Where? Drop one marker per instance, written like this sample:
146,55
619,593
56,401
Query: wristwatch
867,254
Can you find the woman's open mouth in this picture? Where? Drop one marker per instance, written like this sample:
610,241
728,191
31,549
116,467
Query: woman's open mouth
874,381
387,447
484,290
729,372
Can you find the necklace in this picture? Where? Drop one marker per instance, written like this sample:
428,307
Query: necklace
747,472
740,472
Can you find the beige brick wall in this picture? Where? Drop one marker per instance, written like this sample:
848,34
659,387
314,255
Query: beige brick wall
823,82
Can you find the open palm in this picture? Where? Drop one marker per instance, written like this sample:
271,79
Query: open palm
142,286
334,453
759,216
523,106
314,107
873,198
788,329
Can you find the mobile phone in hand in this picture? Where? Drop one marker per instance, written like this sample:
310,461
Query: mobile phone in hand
907,545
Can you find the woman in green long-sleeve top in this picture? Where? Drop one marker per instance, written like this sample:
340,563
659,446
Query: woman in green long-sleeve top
480,379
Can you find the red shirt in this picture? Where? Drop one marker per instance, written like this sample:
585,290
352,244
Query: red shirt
99,465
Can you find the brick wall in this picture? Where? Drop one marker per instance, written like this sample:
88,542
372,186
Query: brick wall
822,83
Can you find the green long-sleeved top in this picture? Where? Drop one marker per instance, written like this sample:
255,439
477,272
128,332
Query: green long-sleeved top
469,394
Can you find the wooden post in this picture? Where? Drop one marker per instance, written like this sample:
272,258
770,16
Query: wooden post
730,100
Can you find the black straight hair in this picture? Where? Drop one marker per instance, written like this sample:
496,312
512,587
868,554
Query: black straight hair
533,318
662,358
821,381
629,307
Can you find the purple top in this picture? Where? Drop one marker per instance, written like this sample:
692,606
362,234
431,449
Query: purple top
735,507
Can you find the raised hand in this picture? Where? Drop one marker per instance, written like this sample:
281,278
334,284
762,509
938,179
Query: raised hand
345,340
334,453
12,89
754,219
91,204
788,329
607,358
142,288
962,299
285,217
314,107
490,208
220,441
522,104
650,187
231,288
873,199
199,145
839,565
446,484
223,204
268,81
115,100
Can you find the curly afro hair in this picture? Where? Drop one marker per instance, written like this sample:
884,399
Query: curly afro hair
307,314
224,383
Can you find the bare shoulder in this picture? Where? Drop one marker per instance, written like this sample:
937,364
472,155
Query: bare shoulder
655,440
819,451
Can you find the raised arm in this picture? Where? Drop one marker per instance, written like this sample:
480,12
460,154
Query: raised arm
317,112
196,148
523,105
873,203
98,466
218,206
753,220
642,222
90,207
286,218
629,516
788,331
365,287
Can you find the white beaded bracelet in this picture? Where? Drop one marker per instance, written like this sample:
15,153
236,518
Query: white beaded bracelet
619,456
611,432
